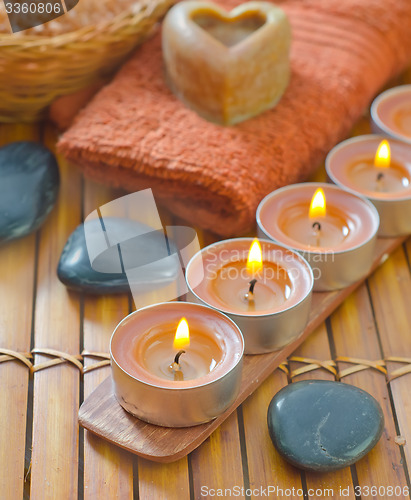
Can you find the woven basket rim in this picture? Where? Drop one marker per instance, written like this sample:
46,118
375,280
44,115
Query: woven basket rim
9,40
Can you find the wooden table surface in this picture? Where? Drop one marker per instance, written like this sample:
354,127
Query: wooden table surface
45,455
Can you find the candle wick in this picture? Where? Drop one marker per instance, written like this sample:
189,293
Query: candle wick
317,232
177,358
252,285
380,178
250,295
176,368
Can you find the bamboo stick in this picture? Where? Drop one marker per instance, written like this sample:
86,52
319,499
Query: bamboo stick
17,263
57,326
217,463
108,470
163,481
266,467
390,288
355,335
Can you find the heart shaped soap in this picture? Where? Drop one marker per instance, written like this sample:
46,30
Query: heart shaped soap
227,67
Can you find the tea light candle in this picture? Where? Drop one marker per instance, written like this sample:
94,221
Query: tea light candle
263,287
379,169
176,364
333,229
391,113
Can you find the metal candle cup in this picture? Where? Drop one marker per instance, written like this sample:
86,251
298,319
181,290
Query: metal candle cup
394,205
217,276
337,265
140,389
391,113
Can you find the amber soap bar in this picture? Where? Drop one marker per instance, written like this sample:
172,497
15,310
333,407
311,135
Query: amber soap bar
227,66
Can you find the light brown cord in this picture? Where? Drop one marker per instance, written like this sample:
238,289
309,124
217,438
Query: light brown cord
59,358
404,370
104,362
311,365
77,360
284,368
9,355
360,365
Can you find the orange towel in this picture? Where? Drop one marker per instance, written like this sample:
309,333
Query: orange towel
137,134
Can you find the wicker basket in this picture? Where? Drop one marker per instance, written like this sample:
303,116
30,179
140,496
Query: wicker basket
34,70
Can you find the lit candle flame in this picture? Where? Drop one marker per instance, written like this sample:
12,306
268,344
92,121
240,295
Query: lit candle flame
318,205
383,155
182,336
255,258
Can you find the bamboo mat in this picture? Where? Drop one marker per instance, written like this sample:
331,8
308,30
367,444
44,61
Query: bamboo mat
45,455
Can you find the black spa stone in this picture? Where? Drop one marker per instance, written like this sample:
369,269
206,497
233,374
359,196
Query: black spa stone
75,271
322,425
29,182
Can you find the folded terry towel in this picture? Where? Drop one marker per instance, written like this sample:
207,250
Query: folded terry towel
137,134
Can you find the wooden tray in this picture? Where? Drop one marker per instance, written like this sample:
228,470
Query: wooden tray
101,414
